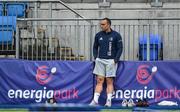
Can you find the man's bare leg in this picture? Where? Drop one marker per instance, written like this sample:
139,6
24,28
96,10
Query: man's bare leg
98,89
109,90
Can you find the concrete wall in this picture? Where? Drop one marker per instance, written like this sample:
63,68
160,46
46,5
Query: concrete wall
79,39
116,10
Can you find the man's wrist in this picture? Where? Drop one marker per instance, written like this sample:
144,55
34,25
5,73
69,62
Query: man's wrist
115,61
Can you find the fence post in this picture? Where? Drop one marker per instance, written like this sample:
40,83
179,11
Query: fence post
148,43
17,42
91,56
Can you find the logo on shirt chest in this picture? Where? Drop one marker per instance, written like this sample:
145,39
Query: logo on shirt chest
111,39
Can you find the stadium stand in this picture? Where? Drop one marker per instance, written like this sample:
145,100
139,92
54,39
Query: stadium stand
6,36
8,22
16,9
7,31
52,32
1,9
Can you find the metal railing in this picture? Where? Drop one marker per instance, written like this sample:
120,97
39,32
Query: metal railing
72,39
51,38
55,41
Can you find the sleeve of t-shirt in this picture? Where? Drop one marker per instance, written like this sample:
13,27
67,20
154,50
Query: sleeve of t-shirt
95,47
119,47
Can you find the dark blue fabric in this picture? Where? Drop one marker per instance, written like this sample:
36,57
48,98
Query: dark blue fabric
108,45
73,81
164,82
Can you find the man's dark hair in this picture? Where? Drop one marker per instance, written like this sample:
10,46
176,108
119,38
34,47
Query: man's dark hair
108,20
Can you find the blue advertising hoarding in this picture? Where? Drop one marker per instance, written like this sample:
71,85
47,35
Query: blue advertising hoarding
26,82
154,81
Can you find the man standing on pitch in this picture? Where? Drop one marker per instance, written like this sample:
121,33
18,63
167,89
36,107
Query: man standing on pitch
107,50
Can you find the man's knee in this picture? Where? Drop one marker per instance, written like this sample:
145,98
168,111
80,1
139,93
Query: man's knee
100,80
109,81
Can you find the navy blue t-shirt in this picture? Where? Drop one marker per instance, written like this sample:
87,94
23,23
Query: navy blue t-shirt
108,45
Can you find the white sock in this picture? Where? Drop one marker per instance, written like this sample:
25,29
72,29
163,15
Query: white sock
96,97
109,97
